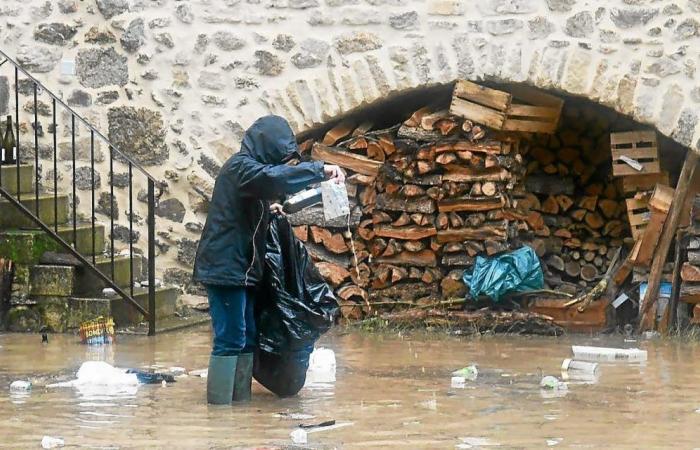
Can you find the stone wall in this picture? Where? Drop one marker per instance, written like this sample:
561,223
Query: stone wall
175,83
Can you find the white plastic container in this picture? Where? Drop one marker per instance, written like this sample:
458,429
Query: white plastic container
585,353
571,365
458,382
299,436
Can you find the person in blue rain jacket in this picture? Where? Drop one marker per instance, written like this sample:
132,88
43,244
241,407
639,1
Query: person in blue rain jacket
230,256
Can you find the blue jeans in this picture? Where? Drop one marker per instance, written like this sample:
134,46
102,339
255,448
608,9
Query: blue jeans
231,310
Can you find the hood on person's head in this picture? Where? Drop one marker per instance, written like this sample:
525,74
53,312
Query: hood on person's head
270,140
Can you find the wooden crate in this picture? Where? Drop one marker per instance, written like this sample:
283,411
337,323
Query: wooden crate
638,215
640,146
595,318
634,183
522,109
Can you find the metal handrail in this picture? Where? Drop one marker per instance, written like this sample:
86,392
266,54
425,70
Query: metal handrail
78,116
88,262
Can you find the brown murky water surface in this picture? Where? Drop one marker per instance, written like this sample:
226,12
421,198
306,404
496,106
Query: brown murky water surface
394,390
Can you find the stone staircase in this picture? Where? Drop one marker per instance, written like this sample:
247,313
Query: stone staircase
53,290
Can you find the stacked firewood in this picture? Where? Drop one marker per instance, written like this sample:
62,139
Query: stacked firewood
690,269
428,196
575,211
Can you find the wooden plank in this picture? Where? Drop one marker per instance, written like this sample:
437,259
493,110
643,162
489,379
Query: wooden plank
346,160
636,183
477,113
670,315
535,96
533,111
669,231
406,233
466,174
637,153
483,95
472,204
622,169
529,126
661,198
632,137
423,205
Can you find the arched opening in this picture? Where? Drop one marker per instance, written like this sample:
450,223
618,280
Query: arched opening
441,189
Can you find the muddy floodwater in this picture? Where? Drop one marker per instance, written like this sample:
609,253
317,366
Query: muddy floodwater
390,391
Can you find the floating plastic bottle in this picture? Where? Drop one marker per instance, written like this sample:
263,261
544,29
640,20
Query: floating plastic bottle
585,353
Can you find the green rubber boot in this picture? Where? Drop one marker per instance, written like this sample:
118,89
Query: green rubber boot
221,379
244,378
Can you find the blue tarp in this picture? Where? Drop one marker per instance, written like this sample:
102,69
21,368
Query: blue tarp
517,271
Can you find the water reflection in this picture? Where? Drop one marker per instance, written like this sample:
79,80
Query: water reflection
389,391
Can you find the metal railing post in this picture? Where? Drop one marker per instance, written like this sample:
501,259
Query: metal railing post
151,258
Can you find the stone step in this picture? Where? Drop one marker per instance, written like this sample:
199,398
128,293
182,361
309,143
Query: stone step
125,314
51,281
58,314
11,217
87,283
27,246
8,178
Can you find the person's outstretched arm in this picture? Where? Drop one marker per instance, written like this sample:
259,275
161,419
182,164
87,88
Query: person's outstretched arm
271,182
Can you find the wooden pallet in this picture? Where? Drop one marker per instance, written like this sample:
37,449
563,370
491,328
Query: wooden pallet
638,215
632,184
640,146
522,109
659,204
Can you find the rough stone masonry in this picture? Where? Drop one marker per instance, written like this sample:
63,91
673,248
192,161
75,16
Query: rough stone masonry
175,83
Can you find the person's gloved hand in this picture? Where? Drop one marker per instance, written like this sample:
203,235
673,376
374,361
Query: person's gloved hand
276,208
333,172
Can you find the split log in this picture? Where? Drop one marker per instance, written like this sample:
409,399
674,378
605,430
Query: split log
359,143
417,116
428,121
319,253
420,205
360,275
690,272
363,128
406,292
301,232
459,235
424,258
413,246
405,233
313,215
457,260
471,204
361,179
446,158
473,248
332,273
464,174
338,132
455,220
377,247
380,217
578,214
493,247
422,220
609,208
452,285
398,274
375,151
588,202
550,205
392,248
364,230
411,190
418,134
594,220
431,275
476,190
442,221
474,220
564,202
455,247
345,159
404,219
387,143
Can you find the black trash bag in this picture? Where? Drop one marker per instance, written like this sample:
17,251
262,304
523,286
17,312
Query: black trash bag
283,374
294,308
